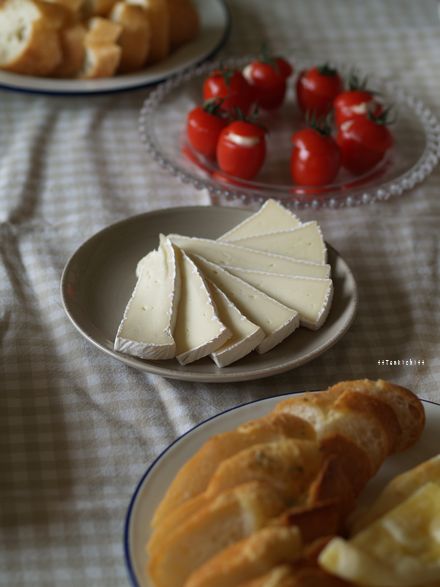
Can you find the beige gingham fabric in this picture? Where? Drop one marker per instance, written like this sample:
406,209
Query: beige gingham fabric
77,428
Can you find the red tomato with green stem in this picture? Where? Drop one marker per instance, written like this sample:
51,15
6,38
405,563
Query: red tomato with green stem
241,149
316,89
204,125
316,158
356,101
268,77
233,89
363,142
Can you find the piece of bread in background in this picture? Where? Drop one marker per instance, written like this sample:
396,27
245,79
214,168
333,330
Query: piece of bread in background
92,8
102,54
226,519
249,558
184,22
29,42
72,40
288,576
159,19
193,478
135,36
71,5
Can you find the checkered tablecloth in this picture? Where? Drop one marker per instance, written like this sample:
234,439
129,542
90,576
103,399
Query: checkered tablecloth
78,428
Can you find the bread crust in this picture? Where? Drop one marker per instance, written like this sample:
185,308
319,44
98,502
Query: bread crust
135,36
184,22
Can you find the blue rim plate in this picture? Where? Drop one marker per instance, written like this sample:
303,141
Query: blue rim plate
215,27
162,470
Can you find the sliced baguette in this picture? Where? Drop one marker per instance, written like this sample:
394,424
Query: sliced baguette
159,19
72,41
313,520
228,518
184,22
102,54
249,558
97,7
288,465
194,476
29,42
71,5
135,36
406,406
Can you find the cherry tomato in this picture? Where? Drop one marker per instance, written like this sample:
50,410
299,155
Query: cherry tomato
241,149
363,143
316,89
315,158
355,103
204,125
268,77
231,87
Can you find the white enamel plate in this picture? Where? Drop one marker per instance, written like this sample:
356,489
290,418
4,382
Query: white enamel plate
158,476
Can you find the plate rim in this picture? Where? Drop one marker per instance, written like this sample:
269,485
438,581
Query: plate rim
128,515
136,85
223,377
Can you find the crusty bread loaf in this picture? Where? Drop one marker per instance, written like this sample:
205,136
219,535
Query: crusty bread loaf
405,405
360,414
228,518
97,7
72,39
29,42
159,18
249,558
288,465
313,520
72,5
102,54
184,22
135,36
194,476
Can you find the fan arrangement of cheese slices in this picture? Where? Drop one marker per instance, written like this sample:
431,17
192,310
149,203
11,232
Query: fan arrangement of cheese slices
246,291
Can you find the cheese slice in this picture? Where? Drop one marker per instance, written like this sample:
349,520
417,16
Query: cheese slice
271,217
400,549
276,320
224,253
309,296
147,326
246,335
198,331
304,242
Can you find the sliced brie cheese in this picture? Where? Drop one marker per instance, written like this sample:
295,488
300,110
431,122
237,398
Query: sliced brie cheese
198,331
276,320
309,296
224,253
304,242
271,217
246,335
147,326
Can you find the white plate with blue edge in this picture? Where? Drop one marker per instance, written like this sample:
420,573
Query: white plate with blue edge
215,23
161,472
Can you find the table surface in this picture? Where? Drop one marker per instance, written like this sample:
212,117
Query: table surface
78,428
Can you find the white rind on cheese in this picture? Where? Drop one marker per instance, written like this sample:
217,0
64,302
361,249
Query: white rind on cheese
246,335
276,320
311,297
225,253
198,331
271,217
304,242
149,318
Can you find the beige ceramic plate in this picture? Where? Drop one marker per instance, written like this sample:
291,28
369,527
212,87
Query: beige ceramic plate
98,280
156,479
